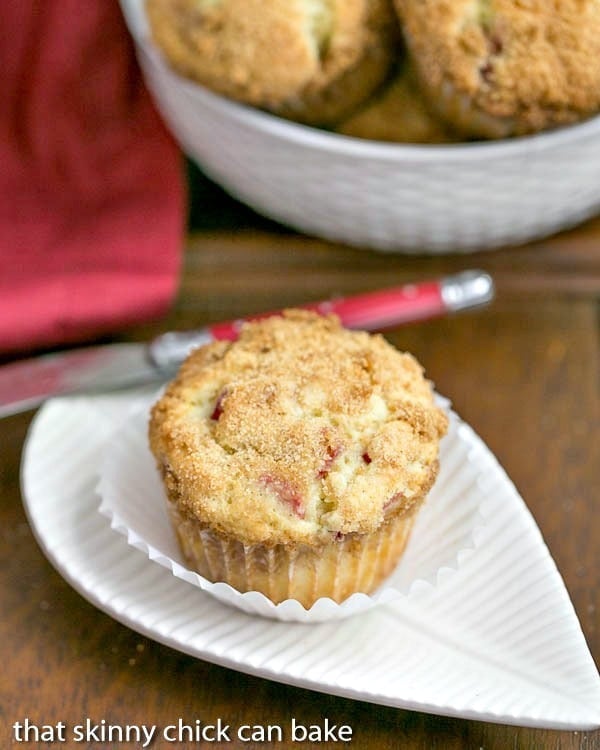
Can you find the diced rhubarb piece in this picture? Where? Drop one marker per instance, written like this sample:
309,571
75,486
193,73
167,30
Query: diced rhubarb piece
330,455
218,410
286,492
495,47
486,71
366,458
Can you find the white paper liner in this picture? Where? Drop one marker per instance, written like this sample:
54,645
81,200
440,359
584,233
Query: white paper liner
133,499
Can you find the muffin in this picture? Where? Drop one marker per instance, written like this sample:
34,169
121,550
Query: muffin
498,68
296,458
398,114
310,60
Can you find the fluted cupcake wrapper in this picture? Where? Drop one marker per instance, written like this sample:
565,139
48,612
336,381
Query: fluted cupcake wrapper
429,545
354,563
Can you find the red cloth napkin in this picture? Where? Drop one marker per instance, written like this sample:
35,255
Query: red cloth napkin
91,185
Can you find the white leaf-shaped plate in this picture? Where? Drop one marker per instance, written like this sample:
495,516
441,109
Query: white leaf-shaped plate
497,640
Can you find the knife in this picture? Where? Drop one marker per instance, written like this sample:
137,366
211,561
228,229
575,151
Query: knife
27,383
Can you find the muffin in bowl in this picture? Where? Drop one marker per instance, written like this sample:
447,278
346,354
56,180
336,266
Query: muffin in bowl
296,458
398,113
499,68
310,60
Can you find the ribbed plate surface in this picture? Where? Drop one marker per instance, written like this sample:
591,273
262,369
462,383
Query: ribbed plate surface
497,640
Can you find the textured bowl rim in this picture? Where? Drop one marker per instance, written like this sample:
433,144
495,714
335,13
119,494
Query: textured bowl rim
349,146
345,145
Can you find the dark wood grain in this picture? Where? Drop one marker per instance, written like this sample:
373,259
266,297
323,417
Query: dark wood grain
524,372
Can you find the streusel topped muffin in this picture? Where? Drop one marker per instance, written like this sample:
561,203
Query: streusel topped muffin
300,437
313,60
300,429
495,68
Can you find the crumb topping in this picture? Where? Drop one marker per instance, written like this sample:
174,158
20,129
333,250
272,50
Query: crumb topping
530,64
297,431
289,56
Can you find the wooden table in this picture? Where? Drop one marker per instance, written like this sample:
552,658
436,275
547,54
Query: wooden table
523,372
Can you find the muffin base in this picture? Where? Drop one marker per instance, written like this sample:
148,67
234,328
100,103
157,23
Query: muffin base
336,569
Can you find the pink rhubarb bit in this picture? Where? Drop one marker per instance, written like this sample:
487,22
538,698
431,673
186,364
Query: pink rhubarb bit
495,43
495,47
487,71
218,410
286,492
331,454
366,458
393,501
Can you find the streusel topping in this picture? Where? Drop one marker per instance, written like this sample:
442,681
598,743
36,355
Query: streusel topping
529,63
297,431
282,55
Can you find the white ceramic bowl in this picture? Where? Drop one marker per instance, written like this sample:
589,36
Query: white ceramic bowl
404,198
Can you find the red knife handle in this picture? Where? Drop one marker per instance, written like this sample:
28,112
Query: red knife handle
383,308
370,311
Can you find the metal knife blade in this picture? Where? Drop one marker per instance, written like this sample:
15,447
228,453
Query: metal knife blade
25,384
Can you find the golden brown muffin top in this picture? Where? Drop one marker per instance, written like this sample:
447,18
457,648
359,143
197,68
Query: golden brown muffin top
297,431
534,60
272,53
